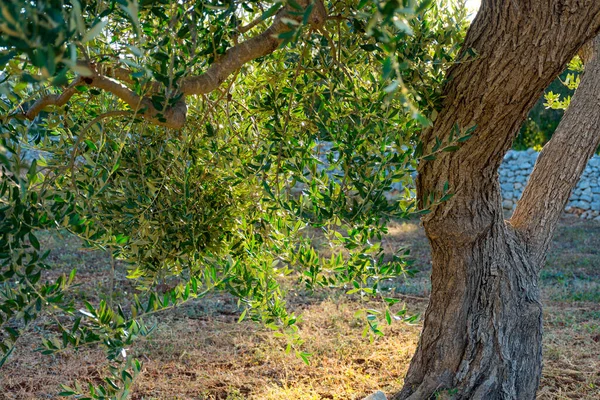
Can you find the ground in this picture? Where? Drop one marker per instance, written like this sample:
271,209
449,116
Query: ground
199,351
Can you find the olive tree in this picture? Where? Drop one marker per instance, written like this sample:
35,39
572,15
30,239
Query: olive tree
187,140
483,327
181,137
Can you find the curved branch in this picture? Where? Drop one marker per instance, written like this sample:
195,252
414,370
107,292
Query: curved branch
562,161
175,116
124,75
251,49
172,117
52,100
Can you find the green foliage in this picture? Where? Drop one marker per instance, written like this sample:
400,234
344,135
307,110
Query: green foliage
225,202
544,118
116,386
571,82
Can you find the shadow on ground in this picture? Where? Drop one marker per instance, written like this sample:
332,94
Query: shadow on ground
199,351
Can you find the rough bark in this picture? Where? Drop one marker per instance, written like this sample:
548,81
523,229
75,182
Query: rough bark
482,329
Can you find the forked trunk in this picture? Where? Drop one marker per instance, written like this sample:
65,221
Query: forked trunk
482,334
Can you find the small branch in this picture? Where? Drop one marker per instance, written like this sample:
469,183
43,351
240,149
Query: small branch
173,117
52,100
81,136
246,28
116,113
121,74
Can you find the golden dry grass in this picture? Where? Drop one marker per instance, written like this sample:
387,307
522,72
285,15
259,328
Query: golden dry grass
200,351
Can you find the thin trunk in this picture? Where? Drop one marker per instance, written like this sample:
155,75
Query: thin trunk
483,327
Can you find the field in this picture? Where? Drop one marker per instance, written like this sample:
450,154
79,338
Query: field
199,351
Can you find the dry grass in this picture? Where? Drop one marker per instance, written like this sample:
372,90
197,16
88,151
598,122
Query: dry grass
200,351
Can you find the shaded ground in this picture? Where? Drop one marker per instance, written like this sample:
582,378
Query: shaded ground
200,351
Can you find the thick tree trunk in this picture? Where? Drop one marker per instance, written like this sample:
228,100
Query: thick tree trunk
483,327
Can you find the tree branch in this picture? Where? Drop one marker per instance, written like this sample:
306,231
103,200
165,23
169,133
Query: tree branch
52,100
561,162
256,47
124,75
172,117
245,28
175,116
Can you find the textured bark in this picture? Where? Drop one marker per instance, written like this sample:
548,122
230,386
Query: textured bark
483,327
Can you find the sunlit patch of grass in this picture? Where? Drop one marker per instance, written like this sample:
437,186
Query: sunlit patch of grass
403,228
226,355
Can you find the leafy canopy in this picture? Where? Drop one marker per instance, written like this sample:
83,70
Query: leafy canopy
198,141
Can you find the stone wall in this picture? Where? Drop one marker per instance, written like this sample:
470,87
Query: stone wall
515,171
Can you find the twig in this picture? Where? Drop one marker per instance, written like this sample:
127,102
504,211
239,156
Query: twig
246,28
52,100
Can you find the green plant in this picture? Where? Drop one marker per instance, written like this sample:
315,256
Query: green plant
201,187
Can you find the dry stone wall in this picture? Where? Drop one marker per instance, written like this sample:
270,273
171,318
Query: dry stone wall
514,174
515,171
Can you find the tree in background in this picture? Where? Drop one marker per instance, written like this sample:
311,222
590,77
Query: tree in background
179,139
545,116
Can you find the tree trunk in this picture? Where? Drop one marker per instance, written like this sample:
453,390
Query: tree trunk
483,327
